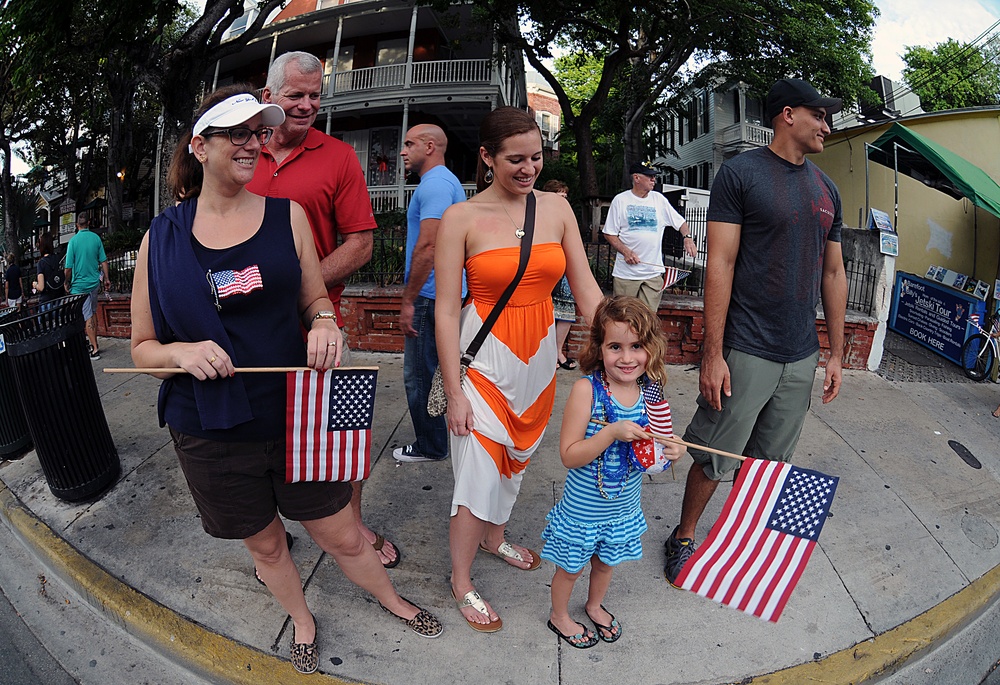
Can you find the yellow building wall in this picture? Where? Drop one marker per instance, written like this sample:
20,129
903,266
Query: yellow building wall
933,227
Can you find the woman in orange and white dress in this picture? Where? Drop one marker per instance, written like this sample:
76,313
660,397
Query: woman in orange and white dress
498,416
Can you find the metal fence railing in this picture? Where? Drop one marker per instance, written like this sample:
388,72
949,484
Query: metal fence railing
121,268
387,265
388,262
861,278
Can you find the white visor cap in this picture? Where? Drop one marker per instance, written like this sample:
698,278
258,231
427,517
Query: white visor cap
239,109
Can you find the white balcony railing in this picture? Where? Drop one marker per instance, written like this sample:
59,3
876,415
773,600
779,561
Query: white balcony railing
390,76
384,198
746,134
451,71
424,74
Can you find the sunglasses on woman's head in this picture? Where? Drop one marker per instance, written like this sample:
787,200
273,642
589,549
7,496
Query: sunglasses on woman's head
241,134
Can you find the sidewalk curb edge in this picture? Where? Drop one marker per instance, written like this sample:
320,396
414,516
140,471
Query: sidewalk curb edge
169,633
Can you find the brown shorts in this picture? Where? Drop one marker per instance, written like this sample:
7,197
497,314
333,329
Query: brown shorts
239,487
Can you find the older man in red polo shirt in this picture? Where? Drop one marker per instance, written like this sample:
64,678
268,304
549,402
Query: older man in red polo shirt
323,175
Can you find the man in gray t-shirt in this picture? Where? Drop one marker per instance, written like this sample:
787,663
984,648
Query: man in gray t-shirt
774,223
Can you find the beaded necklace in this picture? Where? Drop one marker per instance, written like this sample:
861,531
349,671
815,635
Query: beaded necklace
623,450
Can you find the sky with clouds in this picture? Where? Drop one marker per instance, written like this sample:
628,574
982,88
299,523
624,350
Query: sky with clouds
925,22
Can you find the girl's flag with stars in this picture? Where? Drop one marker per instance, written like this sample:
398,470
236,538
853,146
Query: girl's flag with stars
649,453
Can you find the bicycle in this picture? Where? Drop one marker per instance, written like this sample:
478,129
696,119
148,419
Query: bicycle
980,351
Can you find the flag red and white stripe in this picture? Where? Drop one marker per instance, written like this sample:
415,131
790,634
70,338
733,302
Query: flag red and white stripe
328,428
757,550
673,276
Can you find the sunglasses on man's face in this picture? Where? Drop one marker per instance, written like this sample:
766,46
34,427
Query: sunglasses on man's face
241,134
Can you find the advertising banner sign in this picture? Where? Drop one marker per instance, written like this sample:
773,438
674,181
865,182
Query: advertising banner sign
933,315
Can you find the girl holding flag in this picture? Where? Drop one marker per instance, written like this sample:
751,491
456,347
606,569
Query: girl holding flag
599,518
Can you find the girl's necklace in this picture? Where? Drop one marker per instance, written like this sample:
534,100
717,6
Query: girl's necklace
624,470
518,230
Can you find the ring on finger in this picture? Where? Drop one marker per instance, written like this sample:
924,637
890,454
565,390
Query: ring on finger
212,360
333,344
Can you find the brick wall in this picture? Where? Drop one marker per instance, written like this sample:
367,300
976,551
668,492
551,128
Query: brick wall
371,319
114,316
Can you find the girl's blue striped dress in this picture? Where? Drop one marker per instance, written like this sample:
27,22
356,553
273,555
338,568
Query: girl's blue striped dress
600,510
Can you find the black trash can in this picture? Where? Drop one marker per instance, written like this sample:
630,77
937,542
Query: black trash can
15,439
55,379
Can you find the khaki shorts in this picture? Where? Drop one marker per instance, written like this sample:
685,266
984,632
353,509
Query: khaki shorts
763,418
649,291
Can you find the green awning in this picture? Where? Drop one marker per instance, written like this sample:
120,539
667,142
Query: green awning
936,167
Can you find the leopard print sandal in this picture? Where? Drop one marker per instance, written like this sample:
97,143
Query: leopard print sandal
424,624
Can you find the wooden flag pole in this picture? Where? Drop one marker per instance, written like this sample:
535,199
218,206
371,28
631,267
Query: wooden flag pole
686,444
246,369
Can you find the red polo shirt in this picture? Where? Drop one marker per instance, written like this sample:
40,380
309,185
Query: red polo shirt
324,176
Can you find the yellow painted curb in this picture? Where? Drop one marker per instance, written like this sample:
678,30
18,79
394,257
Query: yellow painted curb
886,653
179,639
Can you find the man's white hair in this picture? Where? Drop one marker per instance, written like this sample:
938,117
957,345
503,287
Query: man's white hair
305,62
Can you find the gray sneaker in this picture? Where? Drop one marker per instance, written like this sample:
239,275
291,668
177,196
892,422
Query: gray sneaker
679,550
409,453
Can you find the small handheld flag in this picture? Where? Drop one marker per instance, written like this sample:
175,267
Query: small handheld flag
673,276
649,453
329,425
757,550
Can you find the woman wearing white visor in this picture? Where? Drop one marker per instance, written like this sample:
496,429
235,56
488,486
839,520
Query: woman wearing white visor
227,278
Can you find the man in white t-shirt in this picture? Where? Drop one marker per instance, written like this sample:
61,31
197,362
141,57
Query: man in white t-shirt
635,225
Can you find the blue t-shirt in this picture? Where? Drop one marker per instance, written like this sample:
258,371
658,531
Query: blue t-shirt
439,189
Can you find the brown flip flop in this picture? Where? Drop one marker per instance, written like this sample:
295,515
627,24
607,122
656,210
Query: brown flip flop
380,543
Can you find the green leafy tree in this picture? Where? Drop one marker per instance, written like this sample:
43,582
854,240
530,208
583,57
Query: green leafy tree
146,61
757,40
19,216
17,104
951,75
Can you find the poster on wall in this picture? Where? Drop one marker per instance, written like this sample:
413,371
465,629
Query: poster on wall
879,221
889,244
934,316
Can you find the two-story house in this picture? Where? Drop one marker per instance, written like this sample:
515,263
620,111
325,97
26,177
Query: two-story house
712,126
390,65
715,124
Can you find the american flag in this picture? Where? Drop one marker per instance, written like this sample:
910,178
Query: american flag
242,282
329,425
657,409
660,422
759,547
674,276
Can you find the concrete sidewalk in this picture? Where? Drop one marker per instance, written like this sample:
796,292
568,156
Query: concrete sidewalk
902,587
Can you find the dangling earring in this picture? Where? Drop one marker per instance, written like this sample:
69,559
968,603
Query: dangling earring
488,176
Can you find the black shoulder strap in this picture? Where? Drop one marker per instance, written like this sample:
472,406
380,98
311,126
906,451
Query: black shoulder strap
529,233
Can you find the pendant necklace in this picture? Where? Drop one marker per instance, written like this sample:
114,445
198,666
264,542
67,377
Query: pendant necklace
518,231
